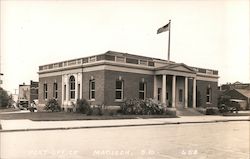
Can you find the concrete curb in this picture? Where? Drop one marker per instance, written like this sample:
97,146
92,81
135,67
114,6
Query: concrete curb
114,126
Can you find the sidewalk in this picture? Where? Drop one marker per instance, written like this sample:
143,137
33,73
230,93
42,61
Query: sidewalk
28,125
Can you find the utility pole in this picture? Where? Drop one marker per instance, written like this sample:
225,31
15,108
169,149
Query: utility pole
15,90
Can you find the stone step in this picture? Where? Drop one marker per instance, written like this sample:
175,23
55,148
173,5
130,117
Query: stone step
187,112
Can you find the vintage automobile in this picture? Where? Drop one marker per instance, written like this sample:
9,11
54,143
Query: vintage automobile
230,106
23,104
33,106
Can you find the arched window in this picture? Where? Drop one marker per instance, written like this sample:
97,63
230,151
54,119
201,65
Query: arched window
72,87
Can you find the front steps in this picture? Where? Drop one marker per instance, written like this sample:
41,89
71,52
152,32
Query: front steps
188,112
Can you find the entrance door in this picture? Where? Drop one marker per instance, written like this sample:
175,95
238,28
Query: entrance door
180,98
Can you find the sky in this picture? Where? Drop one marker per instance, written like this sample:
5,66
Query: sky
210,34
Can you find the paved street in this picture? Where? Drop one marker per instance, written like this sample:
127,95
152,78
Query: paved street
204,140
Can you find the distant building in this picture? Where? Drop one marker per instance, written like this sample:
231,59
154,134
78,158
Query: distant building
28,92
112,77
239,92
236,85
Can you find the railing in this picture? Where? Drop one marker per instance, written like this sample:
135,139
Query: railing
205,71
118,59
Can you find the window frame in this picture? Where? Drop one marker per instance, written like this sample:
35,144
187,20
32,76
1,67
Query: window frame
121,90
45,91
208,95
55,90
91,89
64,92
78,90
144,91
72,87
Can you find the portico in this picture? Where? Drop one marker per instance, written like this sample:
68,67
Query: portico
171,85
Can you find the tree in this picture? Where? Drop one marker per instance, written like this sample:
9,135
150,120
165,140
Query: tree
4,98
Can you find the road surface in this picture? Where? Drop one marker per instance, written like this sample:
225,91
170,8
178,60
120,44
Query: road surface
228,140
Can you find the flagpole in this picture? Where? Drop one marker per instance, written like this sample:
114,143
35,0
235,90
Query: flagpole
169,40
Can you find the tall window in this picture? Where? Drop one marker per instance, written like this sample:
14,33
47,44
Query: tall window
159,94
92,89
72,87
78,90
64,92
119,90
180,95
209,95
142,90
55,90
45,91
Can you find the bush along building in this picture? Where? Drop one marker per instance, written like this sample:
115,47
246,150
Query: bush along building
110,78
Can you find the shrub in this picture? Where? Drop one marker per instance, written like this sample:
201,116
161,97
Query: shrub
141,107
170,111
96,110
212,111
83,106
52,105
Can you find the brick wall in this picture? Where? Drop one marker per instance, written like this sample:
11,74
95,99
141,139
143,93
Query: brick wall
202,94
50,81
131,85
98,76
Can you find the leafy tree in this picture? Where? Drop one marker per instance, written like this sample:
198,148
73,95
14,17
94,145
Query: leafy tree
4,98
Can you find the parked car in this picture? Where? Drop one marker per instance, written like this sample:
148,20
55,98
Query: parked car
231,106
23,104
32,107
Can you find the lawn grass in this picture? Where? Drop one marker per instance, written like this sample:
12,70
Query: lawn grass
236,114
65,116
8,110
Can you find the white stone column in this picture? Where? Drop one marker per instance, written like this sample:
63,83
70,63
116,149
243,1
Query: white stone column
63,80
194,92
173,90
186,93
76,87
80,80
67,89
155,87
164,82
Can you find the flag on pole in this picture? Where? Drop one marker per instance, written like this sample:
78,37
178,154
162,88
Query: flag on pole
164,28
